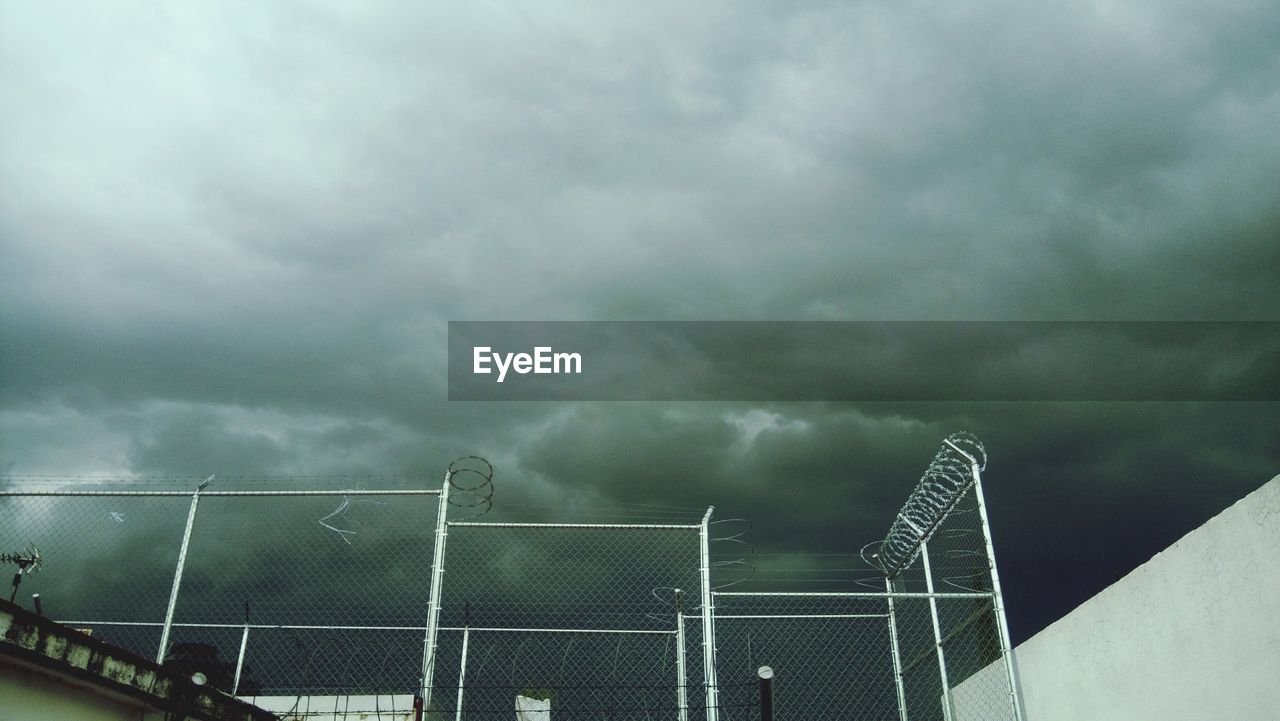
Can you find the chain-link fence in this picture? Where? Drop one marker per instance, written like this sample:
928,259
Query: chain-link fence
346,592
262,591
578,673
831,652
948,612
897,654
584,617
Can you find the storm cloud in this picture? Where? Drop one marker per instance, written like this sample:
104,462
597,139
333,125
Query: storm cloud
231,237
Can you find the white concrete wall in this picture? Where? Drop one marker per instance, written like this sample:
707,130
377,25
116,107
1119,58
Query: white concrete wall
337,708
27,694
1191,635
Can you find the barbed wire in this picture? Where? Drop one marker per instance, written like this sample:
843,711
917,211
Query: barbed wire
606,711
740,561
471,485
946,479
125,478
589,686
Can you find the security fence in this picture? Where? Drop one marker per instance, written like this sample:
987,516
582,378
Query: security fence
264,591
330,592
588,618
831,651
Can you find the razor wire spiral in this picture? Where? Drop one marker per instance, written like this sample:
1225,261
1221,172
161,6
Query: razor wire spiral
471,485
946,479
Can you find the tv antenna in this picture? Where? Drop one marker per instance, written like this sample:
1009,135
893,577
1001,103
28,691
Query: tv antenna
28,562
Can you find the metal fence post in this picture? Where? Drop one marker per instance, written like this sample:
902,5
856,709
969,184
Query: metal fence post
244,643
708,621
897,657
765,674
997,596
682,675
177,573
462,671
433,602
948,712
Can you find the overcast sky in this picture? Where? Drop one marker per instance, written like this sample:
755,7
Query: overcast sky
231,236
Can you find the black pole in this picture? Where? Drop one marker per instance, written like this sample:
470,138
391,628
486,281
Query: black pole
766,693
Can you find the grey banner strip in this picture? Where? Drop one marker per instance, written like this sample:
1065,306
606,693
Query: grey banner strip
865,360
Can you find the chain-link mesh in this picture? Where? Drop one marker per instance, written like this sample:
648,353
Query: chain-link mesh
696,682
958,551
967,626
610,675
526,576
922,685
584,615
332,661
329,595
124,549
831,655
103,559
971,644
275,553
332,588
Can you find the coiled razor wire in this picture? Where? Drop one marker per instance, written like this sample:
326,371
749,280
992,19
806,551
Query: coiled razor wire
944,482
471,485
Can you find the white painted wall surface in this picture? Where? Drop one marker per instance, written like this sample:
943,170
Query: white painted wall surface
27,694
397,707
1191,635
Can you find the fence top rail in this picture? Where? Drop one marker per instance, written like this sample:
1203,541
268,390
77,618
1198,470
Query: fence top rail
801,615
503,629
637,526
854,594
208,494
263,626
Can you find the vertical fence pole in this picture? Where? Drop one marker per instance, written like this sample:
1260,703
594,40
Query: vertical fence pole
244,643
177,573
897,656
682,675
462,671
997,597
948,712
433,601
708,621
766,693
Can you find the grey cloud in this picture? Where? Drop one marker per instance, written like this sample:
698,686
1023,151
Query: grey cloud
197,440
231,238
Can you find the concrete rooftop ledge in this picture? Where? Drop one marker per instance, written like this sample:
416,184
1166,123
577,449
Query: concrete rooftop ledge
30,643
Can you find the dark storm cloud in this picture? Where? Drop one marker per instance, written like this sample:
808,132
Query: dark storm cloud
232,236
191,438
